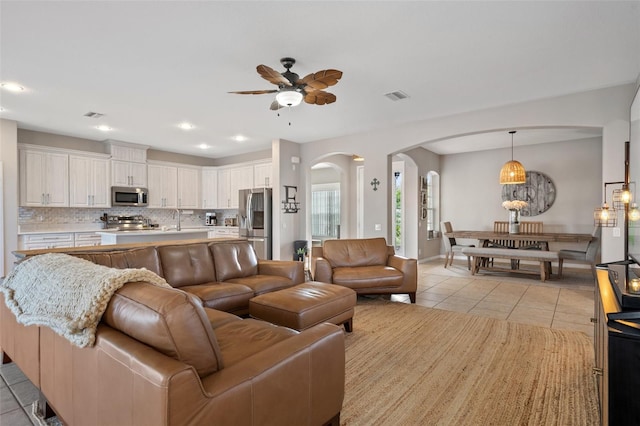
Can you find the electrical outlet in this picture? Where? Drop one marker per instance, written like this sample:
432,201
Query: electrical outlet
378,227
616,232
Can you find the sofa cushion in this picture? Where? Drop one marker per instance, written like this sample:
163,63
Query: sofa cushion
368,276
218,318
189,264
222,296
234,260
169,320
355,252
263,283
146,257
240,339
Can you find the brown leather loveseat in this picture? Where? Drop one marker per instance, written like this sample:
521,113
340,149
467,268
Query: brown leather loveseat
367,266
162,358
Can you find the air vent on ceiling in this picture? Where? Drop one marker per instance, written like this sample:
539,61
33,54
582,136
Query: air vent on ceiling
398,95
92,114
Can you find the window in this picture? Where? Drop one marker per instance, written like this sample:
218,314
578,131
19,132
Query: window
325,211
430,201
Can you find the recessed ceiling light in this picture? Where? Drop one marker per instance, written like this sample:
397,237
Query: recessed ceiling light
186,126
12,87
240,138
204,146
104,128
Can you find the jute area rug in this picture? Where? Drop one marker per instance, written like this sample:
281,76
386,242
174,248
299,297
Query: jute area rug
411,365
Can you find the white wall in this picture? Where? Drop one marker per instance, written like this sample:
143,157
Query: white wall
9,215
471,194
604,108
286,226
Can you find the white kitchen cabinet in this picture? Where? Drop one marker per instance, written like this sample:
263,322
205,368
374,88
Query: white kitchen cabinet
209,188
262,175
128,164
45,241
224,200
88,181
224,232
128,153
44,178
163,186
230,181
84,239
127,173
188,187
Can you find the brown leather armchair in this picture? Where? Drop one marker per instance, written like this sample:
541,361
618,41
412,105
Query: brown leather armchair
367,266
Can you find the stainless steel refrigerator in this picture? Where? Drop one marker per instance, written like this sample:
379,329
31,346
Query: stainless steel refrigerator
254,212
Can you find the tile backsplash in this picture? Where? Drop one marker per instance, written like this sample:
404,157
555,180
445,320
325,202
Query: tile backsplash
55,215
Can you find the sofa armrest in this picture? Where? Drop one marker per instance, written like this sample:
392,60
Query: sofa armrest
408,267
299,380
283,268
323,272
136,378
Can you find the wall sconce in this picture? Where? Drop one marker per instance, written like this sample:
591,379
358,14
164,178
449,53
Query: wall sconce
606,216
290,205
622,199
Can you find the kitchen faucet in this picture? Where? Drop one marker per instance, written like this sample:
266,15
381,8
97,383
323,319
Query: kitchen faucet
178,220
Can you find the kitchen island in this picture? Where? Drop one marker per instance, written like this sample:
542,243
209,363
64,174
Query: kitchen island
147,236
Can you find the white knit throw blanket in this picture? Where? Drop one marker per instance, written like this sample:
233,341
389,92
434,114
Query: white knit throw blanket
66,293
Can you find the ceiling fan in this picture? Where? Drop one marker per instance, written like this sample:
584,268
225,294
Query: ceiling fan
292,90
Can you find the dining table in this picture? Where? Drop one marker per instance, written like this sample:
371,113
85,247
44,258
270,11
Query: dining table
515,241
485,237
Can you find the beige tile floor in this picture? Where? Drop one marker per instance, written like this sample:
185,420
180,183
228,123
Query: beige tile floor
562,304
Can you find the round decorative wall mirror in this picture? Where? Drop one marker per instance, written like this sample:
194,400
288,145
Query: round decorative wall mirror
538,191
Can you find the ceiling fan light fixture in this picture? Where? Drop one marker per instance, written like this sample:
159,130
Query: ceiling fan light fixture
289,98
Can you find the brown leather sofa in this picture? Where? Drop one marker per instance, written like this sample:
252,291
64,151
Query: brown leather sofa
162,358
367,266
224,275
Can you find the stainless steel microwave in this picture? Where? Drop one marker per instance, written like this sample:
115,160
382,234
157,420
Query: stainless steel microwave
125,196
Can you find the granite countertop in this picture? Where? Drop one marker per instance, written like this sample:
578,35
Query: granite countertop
57,228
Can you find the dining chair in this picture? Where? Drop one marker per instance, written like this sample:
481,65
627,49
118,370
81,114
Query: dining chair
499,226
587,256
451,246
532,228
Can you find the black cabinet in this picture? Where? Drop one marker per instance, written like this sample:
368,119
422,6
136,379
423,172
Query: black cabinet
617,354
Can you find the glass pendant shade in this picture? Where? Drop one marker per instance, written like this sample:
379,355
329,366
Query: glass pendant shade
634,213
512,173
289,98
605,217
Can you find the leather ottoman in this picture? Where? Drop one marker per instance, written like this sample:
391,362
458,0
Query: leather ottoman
305,305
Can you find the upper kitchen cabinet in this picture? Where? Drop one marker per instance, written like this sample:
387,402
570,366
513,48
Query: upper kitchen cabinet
44,178
128,164
188,187
262,175
163,186
230,181
209,187
89,181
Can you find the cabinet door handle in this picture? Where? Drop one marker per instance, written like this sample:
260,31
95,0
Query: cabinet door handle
42,199
47,199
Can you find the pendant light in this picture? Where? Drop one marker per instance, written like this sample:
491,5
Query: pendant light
513,171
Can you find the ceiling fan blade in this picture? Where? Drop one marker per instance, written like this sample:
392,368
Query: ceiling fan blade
275,105
254,92
272,76
320,98
322,79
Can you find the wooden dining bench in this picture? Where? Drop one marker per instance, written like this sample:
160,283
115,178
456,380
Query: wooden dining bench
479,253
